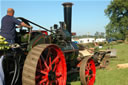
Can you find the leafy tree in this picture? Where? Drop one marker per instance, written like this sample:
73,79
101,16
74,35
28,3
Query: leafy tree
117,12
102,35
99,35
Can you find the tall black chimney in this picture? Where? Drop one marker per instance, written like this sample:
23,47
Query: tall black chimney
68,15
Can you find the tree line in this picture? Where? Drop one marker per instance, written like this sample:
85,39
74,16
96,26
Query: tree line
117,12
96,35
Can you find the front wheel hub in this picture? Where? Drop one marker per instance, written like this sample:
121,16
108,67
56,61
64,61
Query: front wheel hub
90,72
51,76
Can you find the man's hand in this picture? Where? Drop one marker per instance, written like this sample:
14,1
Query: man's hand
30,27
25,25
19,26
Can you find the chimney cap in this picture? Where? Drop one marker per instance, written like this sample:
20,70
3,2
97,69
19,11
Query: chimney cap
67,4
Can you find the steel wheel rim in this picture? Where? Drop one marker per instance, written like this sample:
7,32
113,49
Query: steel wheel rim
90,72
51,67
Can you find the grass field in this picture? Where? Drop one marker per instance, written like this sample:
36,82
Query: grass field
112,75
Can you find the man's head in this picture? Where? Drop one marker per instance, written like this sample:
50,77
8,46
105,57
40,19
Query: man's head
10,11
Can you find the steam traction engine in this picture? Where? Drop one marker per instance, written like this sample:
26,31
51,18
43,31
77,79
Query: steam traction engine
42,59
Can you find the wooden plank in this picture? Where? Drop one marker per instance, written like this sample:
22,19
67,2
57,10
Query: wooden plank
122,65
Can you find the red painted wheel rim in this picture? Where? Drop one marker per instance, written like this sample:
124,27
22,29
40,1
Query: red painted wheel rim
51,67
90,72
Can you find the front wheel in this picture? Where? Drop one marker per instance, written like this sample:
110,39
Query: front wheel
87,71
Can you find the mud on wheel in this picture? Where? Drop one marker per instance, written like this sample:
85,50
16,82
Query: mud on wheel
45,65
87,71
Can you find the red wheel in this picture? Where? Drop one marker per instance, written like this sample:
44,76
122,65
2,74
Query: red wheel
51,67
87,71
45,65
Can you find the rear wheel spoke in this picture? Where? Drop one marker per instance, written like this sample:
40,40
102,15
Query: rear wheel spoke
47,83
56,58
48,54
40,64
43,81
43,72
50,63
54,68
45,63
45,77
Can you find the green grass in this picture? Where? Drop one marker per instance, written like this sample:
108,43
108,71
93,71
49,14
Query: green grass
112,75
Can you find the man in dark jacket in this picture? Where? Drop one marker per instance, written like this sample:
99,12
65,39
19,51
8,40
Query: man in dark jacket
8,26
